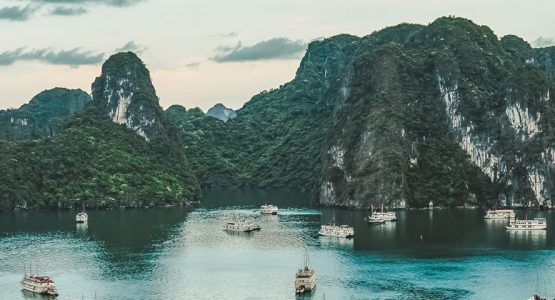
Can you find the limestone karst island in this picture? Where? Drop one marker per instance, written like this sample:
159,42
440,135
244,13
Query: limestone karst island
277,150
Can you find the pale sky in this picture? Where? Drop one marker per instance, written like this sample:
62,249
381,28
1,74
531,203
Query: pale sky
201,52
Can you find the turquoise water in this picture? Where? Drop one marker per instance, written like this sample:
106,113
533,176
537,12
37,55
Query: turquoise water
182,253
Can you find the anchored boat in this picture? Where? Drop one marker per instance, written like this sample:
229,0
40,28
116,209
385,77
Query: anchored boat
305,278
81,217
331,229
382,217
535,224
241,226
269,209
499,214
373,219
39,285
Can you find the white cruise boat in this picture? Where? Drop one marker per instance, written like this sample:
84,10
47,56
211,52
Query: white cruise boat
240,226
373,219
535,224
331,229
81,217
388,216
39,285
499,214
269,209
305,278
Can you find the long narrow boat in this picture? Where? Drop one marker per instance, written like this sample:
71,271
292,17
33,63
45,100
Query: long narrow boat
499,214
535,224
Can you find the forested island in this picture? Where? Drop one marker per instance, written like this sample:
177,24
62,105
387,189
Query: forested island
447,111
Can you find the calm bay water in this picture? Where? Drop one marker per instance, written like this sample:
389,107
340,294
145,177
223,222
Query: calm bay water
182,253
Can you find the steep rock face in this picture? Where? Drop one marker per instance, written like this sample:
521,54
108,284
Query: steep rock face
491,98
41,116
282,132
125,92
219,111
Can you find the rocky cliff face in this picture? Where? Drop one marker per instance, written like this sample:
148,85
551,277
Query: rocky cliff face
41,116
219,111
93,161
446,112
451,82
125,92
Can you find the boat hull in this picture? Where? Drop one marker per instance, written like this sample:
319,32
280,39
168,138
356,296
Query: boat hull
525,229
241,230
347,236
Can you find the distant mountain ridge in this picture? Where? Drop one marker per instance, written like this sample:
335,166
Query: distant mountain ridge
219,111
40,117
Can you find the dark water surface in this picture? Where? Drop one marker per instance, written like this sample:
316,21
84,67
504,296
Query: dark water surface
182,253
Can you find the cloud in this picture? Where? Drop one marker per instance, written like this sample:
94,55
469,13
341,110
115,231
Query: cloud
544,42
73,57
58,8
133,47
193,65
276,48
16,13
229,34
68,11
119,3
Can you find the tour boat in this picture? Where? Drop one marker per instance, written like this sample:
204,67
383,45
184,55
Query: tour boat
82,217
388,216
535,224
39,284
430,205
305,278
336,230
240,226
498,214
537,297
269,209
373,219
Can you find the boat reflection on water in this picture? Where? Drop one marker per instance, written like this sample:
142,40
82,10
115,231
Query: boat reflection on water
333,242
496,223
247,234
528,239
82,228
